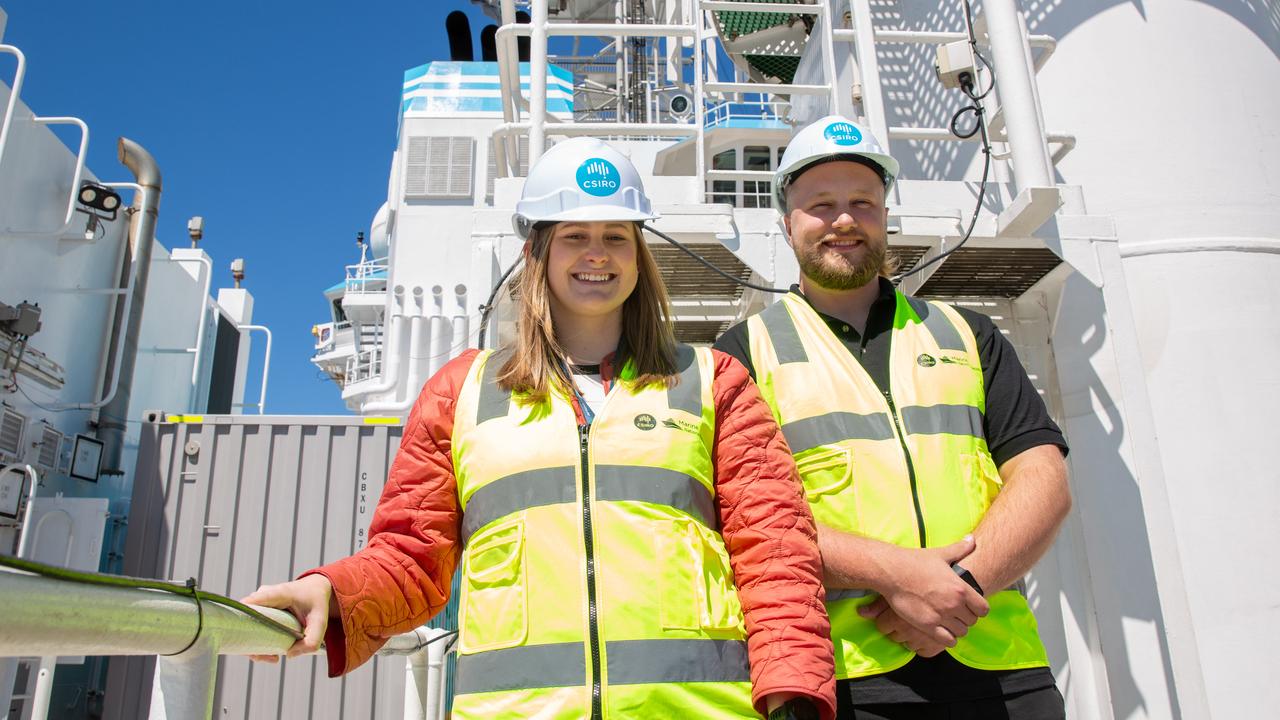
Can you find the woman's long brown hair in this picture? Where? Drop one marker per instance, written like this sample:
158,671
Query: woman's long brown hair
537,363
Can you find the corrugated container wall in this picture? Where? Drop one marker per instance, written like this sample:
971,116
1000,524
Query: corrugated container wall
240,501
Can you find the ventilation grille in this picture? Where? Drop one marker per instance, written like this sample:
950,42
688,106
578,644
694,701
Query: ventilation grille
439,167
11,426
50,444
989,272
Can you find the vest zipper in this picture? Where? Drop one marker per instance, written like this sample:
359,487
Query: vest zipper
592,613
911,470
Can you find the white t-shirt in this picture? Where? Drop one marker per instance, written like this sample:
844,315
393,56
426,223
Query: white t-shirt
591,385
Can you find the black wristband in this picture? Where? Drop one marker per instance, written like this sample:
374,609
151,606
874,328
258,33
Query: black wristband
799,708
967,576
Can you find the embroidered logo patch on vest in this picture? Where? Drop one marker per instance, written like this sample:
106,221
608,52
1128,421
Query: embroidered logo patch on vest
674,424
645,421
926,360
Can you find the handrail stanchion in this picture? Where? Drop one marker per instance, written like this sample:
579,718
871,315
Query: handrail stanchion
80,156
14,93
266,365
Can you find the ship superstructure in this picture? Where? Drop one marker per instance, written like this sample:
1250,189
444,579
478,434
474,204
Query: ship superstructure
1163,393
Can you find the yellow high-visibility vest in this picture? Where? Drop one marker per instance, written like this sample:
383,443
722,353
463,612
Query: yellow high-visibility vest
594,580
909,467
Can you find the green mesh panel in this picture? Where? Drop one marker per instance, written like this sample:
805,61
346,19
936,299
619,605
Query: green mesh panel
737,24
782,67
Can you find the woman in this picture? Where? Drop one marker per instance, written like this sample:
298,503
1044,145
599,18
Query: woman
617,503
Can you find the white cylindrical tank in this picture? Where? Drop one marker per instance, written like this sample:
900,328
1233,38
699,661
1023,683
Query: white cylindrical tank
1174,104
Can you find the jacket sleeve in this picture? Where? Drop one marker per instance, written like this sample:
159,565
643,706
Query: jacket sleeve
402,577
773,547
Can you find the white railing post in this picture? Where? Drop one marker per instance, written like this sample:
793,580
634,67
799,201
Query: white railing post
1016,89
266,365
184,684
537,81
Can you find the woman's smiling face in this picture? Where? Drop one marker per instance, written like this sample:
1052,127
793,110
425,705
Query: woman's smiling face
591,267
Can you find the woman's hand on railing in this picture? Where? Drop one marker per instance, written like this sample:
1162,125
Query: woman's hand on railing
310,599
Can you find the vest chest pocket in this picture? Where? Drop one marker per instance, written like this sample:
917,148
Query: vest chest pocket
696,582
825,471
494,598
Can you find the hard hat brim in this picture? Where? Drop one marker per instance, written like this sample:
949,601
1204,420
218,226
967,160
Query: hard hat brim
786,175
591,213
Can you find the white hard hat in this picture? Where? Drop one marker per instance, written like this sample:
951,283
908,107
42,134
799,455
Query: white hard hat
581,179
830,138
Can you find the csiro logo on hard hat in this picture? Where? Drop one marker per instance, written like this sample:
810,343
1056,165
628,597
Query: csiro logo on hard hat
598,177
843,133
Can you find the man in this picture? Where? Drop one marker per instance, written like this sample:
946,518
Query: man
929,460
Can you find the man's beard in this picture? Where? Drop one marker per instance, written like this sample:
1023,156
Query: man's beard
833,271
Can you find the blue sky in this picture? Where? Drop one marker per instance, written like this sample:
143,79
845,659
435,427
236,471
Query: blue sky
274,120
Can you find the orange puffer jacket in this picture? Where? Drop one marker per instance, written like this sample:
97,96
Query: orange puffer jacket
402,578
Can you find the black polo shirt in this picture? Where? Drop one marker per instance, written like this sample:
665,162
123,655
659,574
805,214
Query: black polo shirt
1015,420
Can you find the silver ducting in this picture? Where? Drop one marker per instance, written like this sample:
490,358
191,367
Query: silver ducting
142,229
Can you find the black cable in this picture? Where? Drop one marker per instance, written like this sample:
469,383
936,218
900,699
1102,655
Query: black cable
487,308
123,581
979,113
709,265
195,595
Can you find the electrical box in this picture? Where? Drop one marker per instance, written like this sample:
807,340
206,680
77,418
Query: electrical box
954,60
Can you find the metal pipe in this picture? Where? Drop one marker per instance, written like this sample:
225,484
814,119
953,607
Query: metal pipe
14,93
869,69
80,156
722,6
114,346
1017,92
607,129
606,30
769,88
266,365
393,320
827,17
46,616
111,424
538,81
699,101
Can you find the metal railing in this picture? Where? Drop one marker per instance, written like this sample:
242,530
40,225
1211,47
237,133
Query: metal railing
367,277
49,617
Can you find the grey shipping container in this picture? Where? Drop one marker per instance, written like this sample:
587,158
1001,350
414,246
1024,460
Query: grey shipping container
239,501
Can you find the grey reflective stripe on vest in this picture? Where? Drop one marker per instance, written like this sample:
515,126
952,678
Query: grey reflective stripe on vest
614,483
494,401
659,486
846,594
634,662
630,662
935,419
783,334
513,493
944,333
836,427
687,393
521,668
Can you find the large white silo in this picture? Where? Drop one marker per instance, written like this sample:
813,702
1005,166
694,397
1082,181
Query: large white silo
1174,104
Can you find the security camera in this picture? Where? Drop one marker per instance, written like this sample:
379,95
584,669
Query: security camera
679,104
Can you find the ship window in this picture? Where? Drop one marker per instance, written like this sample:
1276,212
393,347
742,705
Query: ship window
755,193
727,160
438,167
339,315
